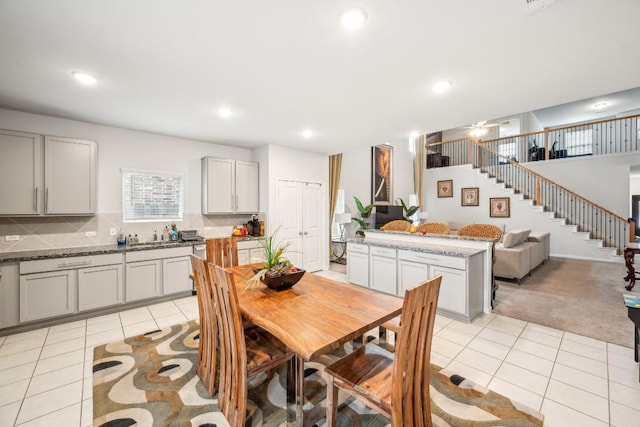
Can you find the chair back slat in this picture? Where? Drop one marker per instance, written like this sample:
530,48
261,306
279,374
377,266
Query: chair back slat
222,251
232,392
207,343
410,403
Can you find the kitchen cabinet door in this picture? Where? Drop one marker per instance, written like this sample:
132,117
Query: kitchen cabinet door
453,289
358,268
100,286
410,274
143,279
70,176
246,187
9,295
175,275
49,294
218,193
382,276
20,173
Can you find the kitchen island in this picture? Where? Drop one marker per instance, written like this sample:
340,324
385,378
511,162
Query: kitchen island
392,262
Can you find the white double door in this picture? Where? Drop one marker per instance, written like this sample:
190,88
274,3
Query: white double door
301,209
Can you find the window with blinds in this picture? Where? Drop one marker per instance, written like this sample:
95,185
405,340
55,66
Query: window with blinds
152,196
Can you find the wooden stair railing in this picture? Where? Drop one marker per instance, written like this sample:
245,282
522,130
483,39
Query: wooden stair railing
601,223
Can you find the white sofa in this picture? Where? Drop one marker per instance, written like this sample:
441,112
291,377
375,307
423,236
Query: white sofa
519,252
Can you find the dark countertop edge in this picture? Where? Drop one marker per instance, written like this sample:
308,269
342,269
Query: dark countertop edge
20,256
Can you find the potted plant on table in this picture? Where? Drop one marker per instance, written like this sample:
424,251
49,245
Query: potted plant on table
277,272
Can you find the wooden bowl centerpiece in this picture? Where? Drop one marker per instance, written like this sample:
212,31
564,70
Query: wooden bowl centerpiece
277,272
280,278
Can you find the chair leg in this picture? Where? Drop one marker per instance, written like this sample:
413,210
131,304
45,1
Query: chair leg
331,402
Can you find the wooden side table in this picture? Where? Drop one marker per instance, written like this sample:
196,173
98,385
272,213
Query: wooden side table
630,249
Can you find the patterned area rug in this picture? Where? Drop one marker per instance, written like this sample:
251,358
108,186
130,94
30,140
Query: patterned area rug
149,380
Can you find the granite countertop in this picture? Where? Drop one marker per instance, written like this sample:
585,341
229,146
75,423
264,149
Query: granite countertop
432,248
19,256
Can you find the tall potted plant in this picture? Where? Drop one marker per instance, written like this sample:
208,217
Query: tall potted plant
365,212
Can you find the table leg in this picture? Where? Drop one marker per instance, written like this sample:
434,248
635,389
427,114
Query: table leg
295,391
631,271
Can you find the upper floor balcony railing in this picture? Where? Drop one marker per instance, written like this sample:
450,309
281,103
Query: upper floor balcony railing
613,136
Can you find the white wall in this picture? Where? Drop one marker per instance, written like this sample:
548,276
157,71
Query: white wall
601,179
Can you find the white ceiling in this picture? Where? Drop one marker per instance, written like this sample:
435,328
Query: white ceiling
165,66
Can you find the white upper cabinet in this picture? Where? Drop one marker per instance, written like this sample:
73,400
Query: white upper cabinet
229,186
50,175
21,185
70,167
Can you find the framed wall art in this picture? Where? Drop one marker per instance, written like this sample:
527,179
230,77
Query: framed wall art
382,175
499,207
445,188
469,196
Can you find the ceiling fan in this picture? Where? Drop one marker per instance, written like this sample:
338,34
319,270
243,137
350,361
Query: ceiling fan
482,127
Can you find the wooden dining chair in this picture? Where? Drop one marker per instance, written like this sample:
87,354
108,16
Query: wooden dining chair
207,343
243,354
222,251
433,228
396,225
396,384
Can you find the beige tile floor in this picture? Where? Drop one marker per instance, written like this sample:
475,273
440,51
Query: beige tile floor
45,374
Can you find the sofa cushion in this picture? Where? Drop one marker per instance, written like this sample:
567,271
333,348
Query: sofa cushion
510,240
515,237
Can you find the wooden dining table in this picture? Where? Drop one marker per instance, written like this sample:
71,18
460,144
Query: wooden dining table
316,316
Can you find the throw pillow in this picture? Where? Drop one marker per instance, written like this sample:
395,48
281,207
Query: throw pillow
510,239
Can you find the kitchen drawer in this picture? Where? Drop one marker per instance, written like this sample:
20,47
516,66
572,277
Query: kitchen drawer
54,264
158,253
380,251
355,247
433,259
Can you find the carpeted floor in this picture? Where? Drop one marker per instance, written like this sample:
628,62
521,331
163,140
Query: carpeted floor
582,297
149,380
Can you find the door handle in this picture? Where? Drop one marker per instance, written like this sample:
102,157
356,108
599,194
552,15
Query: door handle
35,200
299,233
306,232
46,200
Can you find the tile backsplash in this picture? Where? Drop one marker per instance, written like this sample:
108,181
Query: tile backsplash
70,231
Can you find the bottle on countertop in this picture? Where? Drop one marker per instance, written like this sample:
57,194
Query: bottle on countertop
155,236
135,239
122,238
129,240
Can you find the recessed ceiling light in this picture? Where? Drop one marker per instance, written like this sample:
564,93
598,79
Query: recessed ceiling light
307,133
600,105
225,112
441,86
84,78
353,18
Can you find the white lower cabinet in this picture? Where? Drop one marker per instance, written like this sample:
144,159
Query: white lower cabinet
410,274
249,251
358,264
175,275
144,280
157,272
394,271
49,294
9,295
382,270
100,286
453,289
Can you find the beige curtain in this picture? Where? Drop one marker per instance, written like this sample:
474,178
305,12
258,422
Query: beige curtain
335,165
418,167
